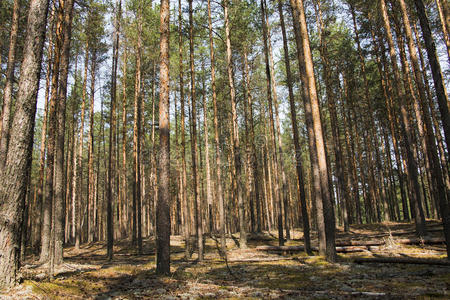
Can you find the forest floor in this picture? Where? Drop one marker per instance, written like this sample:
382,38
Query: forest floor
251,274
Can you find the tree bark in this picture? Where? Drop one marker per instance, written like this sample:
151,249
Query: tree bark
185,200
193,121
14,176
438,79
5,121
163,208
306,62
298,151
235,132
112,136
61,130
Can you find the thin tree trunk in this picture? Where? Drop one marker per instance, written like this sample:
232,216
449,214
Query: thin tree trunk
46,233
5,121
185,200
193,121
444,17
271,97
162,208
79,166
137,233
67,9
298,151
219,194
44,138
432,153
90,183
112,137
405,128
237,153
311,94
337,147
438,79
124,206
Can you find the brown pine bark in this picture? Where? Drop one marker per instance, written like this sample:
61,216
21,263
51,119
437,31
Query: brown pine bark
271,98
193,121
437,177
112,137
185,200
337,146
124,205
254,163
436,71
43,144
298,151
14,176
48,217
311,94
162,208
59,198
219,189
137,213
78,192
444,16
5,120
91,180
405,128
439,138
235,133
207,163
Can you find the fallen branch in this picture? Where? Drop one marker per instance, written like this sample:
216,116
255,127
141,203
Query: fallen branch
264,259
346,249
402,260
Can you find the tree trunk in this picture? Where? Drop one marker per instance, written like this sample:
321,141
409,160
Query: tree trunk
444,16
14,176
52,133
337,147
163,209
193,120
185,200
441,92
5,121
79,166
405,128
112,137
298,151
137,230
59,199
216,138
428,127
235,135
43,145
90,183
124,206
306,63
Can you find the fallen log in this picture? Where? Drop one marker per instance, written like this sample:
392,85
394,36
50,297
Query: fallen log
346,249
417,241
402,260
263,259
359,243
284,248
